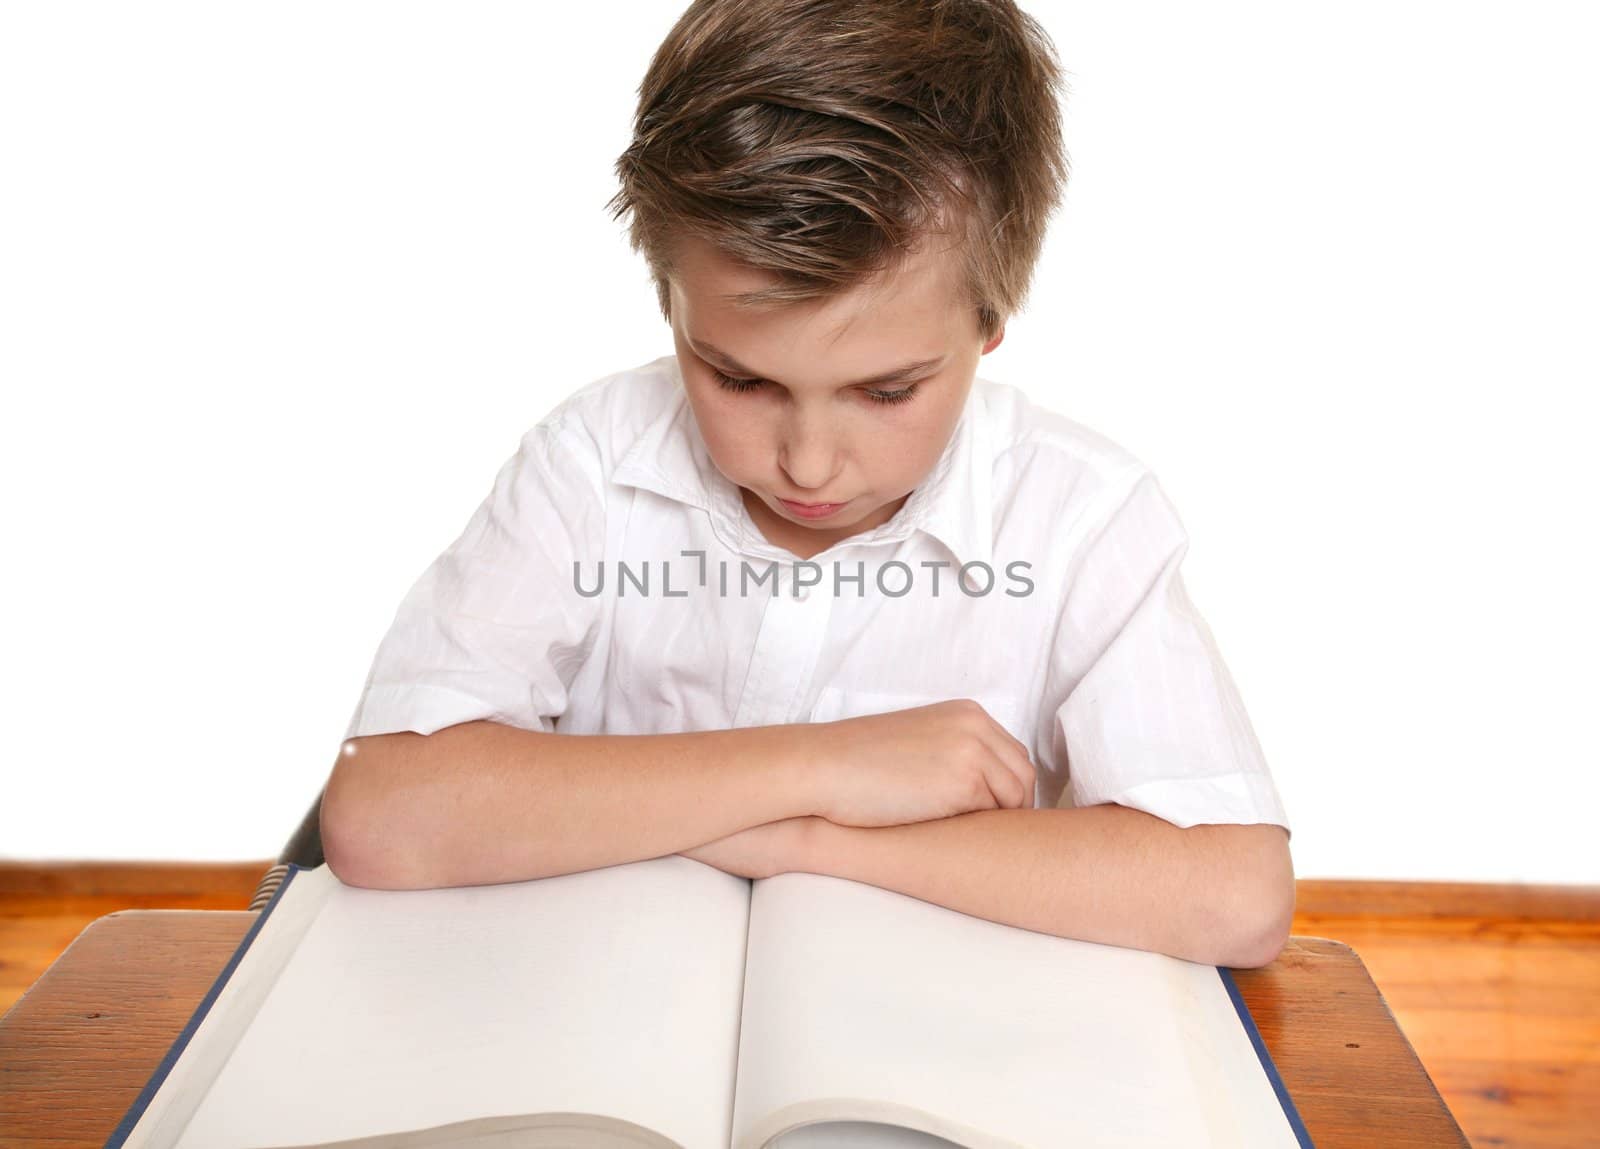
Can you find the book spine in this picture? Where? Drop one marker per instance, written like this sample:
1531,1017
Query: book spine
268,886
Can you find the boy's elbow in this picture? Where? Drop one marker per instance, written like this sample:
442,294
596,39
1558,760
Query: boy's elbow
1262,938
1250,920
364,842
346,856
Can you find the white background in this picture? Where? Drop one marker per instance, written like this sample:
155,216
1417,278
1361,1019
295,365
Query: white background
281,286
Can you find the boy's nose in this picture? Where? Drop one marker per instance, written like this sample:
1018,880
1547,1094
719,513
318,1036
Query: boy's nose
809,453
811,467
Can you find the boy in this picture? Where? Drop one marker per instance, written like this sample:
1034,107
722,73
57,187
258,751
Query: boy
806,594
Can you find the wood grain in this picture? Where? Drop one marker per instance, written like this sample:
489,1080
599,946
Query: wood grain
77,1048
1505,1015
1353,1076
44,905
1331,898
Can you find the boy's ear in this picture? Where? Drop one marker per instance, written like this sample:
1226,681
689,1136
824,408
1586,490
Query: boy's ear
995,342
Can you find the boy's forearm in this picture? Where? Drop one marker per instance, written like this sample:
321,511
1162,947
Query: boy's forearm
482,802
1218,894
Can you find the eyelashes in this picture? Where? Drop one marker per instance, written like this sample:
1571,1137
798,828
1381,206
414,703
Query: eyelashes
737,385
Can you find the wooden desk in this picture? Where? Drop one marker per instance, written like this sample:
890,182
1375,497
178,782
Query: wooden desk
80,1045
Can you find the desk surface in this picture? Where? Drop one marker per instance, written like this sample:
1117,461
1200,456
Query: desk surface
79,1046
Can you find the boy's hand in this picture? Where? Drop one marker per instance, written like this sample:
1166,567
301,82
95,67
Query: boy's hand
758,852
915,765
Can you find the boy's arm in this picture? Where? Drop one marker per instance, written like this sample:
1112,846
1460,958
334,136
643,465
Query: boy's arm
481,802
1217,894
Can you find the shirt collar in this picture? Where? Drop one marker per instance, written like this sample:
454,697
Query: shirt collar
952,503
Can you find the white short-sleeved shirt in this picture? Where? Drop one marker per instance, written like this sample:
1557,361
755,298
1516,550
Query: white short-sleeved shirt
612,582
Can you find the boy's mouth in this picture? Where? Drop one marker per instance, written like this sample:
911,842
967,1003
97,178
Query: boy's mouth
812,510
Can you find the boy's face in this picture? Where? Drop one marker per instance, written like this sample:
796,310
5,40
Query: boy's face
810,428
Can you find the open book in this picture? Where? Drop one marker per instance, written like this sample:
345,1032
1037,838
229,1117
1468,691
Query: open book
665,1004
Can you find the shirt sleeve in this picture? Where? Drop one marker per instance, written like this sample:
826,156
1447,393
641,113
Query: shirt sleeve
1153,719
494,628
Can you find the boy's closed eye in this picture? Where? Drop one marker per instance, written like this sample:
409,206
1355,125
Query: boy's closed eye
736,384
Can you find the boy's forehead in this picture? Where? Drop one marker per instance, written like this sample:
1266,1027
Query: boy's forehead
924,283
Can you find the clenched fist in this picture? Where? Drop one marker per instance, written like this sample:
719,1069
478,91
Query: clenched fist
914,765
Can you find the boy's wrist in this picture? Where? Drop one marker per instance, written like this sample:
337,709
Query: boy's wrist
812,845
804,772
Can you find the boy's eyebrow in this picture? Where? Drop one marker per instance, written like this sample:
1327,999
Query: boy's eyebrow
895,376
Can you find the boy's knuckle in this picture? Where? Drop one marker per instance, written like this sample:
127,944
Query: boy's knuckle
977,787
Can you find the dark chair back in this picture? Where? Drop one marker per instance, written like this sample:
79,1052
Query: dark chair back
304,849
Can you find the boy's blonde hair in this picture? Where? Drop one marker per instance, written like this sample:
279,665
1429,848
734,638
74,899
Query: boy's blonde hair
821,140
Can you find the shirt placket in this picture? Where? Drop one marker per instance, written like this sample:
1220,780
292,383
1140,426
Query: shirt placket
794,626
